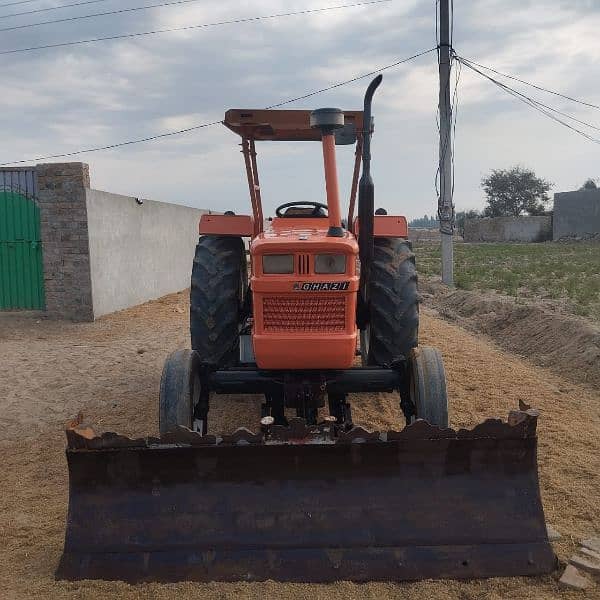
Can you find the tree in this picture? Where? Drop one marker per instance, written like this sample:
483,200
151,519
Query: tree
589,184
461,216
425,222
515,191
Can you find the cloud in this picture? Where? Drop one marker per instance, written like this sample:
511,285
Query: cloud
90,95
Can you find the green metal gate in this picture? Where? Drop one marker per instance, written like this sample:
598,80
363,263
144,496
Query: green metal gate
21,268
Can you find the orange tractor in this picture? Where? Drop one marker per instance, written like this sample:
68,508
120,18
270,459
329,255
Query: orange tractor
291,331
308,497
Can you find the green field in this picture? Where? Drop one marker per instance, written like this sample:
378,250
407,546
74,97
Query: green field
568,273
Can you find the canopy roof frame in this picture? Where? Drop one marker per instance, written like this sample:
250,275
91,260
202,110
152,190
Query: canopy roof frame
289,126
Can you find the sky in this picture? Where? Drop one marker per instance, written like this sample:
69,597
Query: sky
66,99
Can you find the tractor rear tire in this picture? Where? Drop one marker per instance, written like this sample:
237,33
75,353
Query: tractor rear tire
393,328
179,391
218,290
427,382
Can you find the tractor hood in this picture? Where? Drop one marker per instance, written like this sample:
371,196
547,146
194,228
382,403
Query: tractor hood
298,234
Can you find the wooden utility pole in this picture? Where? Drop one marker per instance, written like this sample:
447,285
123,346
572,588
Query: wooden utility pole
445,207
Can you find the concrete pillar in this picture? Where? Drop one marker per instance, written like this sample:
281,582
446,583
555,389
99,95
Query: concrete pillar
61,194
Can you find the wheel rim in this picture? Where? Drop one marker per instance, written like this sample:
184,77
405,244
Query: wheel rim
413,393
198,425
365,343
195,390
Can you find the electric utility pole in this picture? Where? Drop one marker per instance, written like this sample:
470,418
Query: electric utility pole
445,207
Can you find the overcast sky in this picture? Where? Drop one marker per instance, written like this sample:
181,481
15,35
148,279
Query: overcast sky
65,99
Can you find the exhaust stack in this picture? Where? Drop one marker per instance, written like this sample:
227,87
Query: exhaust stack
366,188
328,120
366,206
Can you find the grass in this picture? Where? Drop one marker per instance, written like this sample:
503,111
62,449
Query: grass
568,273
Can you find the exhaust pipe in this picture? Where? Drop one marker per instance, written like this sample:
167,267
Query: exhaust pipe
366,206
328,120
366,188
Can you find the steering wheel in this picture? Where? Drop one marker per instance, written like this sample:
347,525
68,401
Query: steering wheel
315,213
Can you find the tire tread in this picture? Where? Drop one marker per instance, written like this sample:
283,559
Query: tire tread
215,298
394,317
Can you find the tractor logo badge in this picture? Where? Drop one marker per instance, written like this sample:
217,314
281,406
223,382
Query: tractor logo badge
321,286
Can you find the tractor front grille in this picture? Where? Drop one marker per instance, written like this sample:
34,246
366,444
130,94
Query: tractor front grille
314,314
303,264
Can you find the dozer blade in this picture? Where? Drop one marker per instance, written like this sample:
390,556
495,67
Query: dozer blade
304,504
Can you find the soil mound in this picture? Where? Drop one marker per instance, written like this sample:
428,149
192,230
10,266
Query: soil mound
566,344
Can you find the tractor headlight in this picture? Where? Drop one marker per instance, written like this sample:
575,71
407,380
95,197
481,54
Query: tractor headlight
278,263
330,263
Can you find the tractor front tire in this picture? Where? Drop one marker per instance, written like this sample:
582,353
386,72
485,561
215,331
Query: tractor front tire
218,289
179,391
427,382
393,328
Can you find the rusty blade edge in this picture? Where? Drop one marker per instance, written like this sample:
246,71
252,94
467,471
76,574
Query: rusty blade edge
520,424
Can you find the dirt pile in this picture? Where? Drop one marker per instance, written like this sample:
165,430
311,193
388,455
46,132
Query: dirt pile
567,344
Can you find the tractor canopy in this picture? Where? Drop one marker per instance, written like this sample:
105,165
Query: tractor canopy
288,125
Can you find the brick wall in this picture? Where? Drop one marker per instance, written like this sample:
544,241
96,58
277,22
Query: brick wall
104,252
61,194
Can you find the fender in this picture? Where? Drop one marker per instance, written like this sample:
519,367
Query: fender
237,225
386,226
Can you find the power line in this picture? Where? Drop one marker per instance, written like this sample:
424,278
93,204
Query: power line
93,15
563,114
117,145
20,2
542,104
15,3
536,105
533,85
357,78
211,123
188,27
39,10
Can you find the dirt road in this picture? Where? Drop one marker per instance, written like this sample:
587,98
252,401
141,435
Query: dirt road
111,369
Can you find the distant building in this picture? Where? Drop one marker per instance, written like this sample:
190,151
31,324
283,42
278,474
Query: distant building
577,215
508,229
